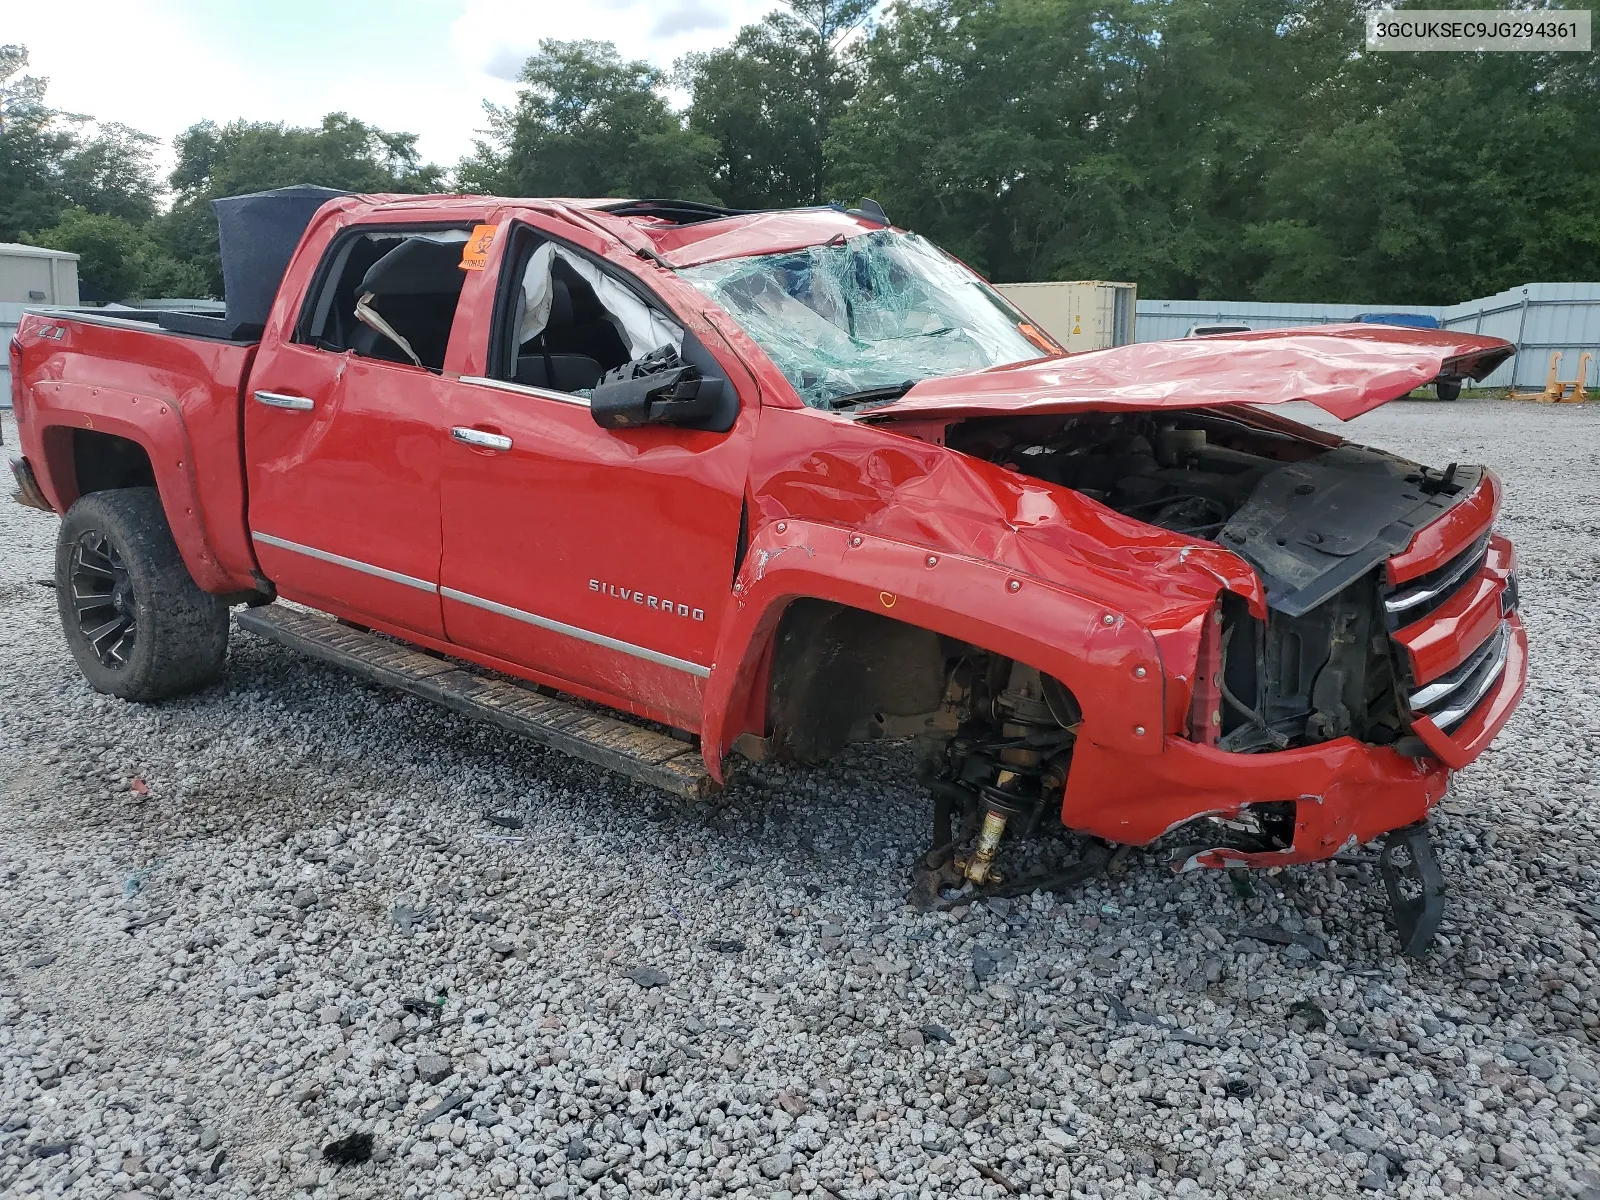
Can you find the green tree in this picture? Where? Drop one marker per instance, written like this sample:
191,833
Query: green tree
826,25
1223,149
751,99
120,259
244,156
1221,90
586,123
112,171
987,125
1454,176
31,148
769,98
50,160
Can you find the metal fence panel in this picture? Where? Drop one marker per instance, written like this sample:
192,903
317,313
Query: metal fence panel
1540,319
1162,319
1543,319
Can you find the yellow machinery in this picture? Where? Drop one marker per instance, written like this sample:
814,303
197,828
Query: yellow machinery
1557,391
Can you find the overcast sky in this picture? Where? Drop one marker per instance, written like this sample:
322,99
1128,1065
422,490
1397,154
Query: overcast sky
422,66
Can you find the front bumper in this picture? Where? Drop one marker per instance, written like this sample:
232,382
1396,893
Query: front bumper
1450,601
1345,793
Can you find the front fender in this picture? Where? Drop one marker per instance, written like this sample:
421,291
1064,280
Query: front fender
1109,661
157,425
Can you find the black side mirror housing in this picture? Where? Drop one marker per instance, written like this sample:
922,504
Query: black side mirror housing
676,396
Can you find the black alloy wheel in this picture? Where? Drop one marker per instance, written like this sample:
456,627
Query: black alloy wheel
103,598
138,625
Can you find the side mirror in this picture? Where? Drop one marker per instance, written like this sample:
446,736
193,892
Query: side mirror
676,396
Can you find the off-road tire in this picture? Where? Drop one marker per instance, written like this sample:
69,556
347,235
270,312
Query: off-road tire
180,634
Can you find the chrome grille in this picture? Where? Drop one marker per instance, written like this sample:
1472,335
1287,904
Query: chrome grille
1448,699
1422,595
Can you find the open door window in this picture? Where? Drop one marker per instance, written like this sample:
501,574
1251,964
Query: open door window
567,324
388,294
574,322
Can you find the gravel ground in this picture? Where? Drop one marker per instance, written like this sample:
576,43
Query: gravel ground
240,926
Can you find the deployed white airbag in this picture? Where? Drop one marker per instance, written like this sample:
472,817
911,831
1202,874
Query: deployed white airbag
641,327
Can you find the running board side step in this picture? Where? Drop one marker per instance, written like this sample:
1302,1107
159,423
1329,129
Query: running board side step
616,745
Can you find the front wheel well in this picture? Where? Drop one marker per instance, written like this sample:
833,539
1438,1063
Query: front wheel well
841,674
837,670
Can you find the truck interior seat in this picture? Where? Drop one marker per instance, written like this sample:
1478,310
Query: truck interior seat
558,372
564,355
412,292
369,343
582,326
539,366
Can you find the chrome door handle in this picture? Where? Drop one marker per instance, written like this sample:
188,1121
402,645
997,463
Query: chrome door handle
477,437
279,400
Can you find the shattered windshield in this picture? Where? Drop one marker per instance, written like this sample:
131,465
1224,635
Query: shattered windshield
861,319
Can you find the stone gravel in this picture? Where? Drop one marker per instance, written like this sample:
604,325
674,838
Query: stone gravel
239,927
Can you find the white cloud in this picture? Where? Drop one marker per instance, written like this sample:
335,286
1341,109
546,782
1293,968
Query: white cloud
505,63
494,37
125,63
689,16
162,65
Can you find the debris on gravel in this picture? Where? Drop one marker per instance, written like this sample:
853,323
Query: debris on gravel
349,1151
291,966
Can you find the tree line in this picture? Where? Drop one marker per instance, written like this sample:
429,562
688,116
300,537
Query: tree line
1221,149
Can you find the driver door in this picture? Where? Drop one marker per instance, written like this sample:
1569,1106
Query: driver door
599,560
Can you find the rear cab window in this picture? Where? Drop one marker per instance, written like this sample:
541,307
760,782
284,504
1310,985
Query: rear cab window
388,293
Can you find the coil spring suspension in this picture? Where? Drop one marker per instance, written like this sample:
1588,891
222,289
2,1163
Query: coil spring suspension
1003,771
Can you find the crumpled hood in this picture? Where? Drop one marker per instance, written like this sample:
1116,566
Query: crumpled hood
1345,370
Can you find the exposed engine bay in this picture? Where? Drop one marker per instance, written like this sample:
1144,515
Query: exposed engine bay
1188,472
1316,521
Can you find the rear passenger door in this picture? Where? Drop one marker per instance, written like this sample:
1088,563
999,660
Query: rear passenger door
602,560
341,429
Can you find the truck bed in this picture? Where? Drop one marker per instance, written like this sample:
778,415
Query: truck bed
91,377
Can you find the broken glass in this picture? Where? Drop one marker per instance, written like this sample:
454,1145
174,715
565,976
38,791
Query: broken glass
869,314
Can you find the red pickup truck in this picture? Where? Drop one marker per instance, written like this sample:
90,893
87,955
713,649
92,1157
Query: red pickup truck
777,482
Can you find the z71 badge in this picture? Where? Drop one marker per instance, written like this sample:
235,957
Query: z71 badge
634,596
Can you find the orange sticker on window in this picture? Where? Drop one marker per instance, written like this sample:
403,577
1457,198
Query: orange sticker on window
475,254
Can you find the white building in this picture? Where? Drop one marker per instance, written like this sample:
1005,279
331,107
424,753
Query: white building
30,275
35,275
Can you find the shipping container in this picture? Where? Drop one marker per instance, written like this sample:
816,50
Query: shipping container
30,276
1082,314
35,275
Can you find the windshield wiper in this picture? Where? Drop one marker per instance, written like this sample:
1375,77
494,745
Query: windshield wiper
889,391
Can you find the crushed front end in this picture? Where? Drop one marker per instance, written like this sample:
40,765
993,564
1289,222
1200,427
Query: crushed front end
1391,639
1327,711
1405,670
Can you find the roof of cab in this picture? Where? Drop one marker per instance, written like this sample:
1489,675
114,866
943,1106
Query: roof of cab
682,233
